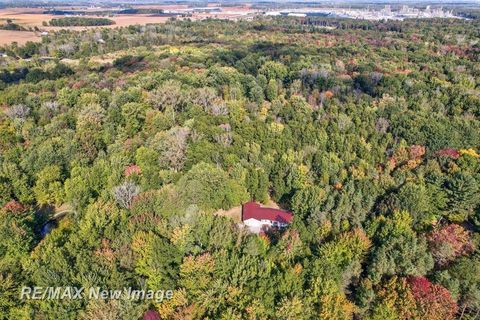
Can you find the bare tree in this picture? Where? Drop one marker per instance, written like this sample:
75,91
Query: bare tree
172,145
204,97
309,76
211,103
50,108
125,193
382,125
18,111
218,108
168,95
376,77
67,48
225,138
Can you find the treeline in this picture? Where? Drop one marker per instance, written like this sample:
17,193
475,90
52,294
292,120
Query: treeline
187,32
10,25
34,75
80,21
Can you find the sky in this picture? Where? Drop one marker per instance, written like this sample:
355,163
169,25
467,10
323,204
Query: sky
78,2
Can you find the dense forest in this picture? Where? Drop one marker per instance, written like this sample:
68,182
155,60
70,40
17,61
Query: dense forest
368,132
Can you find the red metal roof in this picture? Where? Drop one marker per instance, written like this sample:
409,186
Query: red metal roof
254,210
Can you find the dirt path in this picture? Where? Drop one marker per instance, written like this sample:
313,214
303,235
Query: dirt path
234,213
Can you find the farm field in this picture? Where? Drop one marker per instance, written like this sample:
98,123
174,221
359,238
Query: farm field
34,18
21,37
27,17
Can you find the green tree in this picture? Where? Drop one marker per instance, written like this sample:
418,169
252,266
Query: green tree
48,188
133,116
159,262
272,90
463,196
273,70
210,187
397,250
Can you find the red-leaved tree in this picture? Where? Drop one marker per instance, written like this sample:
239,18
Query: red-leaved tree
132,169
14,207
449,242
433,301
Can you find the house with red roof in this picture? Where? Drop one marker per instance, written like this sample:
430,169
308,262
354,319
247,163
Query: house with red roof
258,218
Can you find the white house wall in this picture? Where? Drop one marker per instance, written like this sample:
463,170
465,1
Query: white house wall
255,225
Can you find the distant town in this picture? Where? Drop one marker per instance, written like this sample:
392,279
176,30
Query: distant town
250,11
387,13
